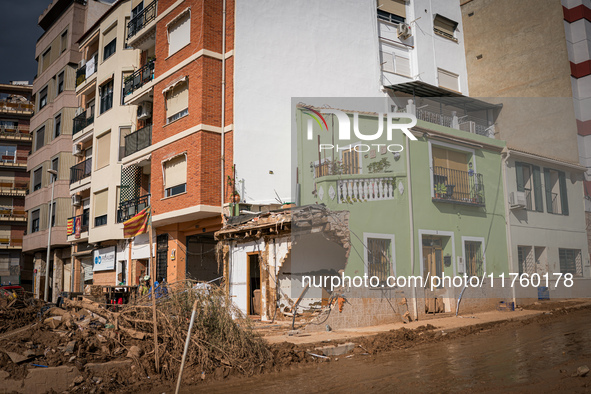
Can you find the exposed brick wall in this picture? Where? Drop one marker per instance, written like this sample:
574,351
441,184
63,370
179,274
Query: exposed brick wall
104,278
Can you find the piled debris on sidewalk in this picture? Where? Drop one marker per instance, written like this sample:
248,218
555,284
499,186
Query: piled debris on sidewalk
91,337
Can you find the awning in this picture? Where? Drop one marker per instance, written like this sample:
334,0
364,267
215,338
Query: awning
444,96
174,83
137,161
81,188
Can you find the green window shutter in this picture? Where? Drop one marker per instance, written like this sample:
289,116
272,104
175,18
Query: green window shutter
519,176
548,190
538,189
563,196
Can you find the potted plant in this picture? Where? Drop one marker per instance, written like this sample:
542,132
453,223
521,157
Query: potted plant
440,190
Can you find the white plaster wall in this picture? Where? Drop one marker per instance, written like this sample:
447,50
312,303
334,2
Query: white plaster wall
302,48
238,272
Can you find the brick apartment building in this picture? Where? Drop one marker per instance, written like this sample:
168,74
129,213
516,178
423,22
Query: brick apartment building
16,109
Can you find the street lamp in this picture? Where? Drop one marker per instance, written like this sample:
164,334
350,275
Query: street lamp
53,174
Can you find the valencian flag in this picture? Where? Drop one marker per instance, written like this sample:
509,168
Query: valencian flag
138,224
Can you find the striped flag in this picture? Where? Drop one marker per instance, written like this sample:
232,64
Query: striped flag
138,224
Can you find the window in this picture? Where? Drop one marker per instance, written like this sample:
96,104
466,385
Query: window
395,62
570,261
525,260
64,41
45,58
137,9
379,256
40,138
529,180
7,153
106,92
52,221
177,102
392,10
109,49
179,33
100,208
123,132
350,161
37,175
175,176
103,151
55,167
35,221
555,187
58,126
43,97
60,82
444,27
473,256
448,80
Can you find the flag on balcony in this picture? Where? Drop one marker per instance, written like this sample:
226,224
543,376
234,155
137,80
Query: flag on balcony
70,227
138,224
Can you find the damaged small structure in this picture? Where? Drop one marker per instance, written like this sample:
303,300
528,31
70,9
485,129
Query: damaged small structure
266,255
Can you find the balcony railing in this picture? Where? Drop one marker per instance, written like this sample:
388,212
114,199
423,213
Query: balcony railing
139,78
81,122
11,158
128,209
13,188
467,123
16,106
20,132
138,140
75,221
12,213
80,170
458,186
365,189
88,69
145,16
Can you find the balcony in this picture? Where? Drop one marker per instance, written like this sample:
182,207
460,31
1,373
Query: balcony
145,16
139,78
455,186
16,107
86,71
13,188
363,189
80,171
12,214
15,133
76,223
128,209
81,122
138,140
11,243
11,159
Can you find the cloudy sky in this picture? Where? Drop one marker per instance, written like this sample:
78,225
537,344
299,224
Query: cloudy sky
18,34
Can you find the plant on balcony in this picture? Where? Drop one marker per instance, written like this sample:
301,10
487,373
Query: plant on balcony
440,190
378,167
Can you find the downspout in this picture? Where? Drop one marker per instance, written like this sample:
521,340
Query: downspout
223,159
412,229
506,155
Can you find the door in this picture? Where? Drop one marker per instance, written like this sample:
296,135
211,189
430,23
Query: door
432,266
254,284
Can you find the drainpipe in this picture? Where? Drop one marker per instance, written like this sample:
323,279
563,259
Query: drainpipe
223,159
505,159
412,228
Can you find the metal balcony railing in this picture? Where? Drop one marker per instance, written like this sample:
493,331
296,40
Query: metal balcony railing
12,213
13,188
138,140
128,209
139,78
16,106
144,17
73,222
20,132
81,121
11,158
80,170
458,186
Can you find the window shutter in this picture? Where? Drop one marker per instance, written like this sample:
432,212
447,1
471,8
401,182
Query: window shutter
563,196
538,189
110,35
175,171
178,99
387,63
519,176
402,65
448,80
548,187
179,33
396,7
103,150
446,26
100,203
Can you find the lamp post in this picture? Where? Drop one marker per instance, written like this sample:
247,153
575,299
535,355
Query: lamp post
53,174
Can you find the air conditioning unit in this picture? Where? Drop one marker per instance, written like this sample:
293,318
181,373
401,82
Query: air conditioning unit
469,126
77,149
517,200
144,110
403,31
76,200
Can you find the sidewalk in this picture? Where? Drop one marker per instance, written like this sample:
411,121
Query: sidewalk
441,323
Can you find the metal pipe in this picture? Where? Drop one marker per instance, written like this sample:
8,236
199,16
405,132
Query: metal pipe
223,158
412,228
504,160
53,174
187,341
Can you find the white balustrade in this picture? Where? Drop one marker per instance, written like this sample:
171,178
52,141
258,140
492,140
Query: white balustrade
365,189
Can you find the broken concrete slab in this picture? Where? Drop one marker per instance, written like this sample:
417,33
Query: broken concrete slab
336,350
582,371
70,347
16,358
53,322
41,380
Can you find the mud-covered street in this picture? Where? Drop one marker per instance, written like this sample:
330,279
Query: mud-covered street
538,355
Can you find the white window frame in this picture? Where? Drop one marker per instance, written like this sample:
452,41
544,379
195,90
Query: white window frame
175,19
482,246
162,165
391,237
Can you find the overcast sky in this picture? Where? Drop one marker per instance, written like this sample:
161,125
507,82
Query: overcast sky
18,34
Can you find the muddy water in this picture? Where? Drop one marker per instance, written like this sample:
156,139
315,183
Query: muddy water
531,358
